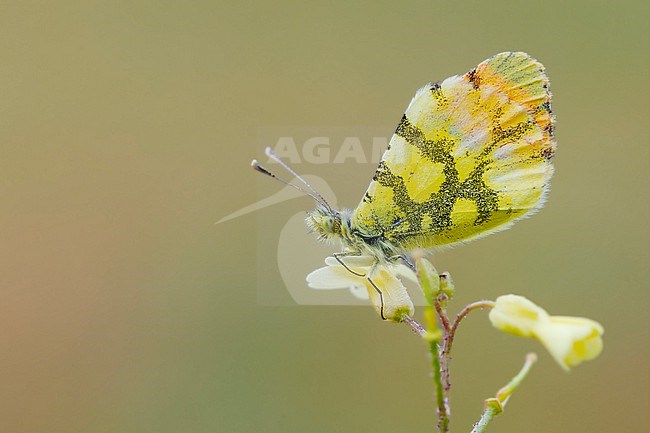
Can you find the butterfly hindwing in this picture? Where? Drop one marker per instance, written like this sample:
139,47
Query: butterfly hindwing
470,156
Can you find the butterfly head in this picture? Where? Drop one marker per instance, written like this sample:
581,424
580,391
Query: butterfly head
327,223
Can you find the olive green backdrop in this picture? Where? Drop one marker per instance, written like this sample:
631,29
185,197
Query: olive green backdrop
126,130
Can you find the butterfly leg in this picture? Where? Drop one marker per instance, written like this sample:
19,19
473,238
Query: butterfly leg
338,256
381,298
405,259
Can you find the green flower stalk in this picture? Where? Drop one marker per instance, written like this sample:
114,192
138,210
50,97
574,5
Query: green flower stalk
494,406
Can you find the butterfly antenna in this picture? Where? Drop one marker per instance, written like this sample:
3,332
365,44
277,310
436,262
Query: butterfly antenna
316,195
256,165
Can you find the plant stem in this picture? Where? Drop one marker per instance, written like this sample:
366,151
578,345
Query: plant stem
441,364
414,325
490,411
440,303
436,302
495,405
441,399
504,393
450,333
460,316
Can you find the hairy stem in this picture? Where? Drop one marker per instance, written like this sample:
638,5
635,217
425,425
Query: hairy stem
414,325
450,333
491,410
441,400
441,363
434,311
440,304
460,316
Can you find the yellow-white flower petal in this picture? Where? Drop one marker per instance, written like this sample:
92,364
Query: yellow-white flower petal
379,283
516,315
331,277
389,296
360,292
406,272
351,261
570,340
337,277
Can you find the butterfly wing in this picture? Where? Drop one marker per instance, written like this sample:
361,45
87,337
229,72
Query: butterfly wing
470,156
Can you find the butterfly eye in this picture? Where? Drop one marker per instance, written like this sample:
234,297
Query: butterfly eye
336,225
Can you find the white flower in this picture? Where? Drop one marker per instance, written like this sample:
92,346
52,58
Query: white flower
379,283
570,340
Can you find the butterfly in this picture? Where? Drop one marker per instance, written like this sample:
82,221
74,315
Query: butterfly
470,156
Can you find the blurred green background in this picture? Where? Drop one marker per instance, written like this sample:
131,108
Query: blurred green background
126,130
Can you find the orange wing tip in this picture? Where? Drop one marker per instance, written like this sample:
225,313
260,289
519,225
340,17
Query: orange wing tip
523,79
